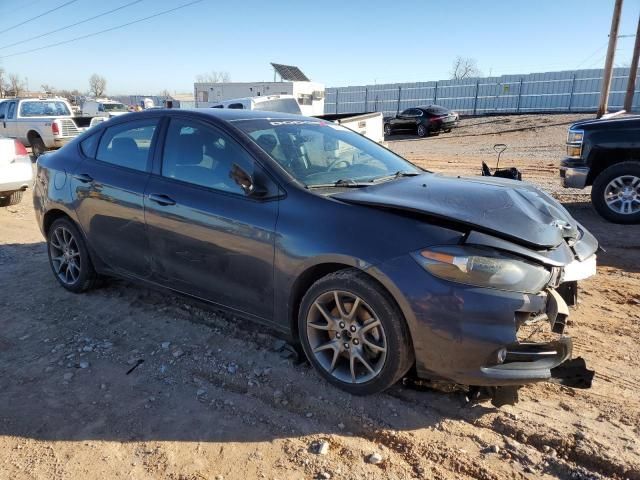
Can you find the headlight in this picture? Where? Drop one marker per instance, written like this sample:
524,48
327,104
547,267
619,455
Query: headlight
575,136
574,143
483,267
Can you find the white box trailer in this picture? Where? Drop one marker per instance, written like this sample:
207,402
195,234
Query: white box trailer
309,95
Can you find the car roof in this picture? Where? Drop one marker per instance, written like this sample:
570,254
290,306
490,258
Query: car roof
228,115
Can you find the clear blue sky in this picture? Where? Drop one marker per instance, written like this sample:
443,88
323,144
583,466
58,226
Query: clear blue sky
338,43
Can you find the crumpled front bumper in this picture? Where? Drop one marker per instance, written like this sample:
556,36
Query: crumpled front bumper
478,336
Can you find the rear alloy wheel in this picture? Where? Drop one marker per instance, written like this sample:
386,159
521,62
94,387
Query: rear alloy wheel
387,129
353,334
12,199
616,193
423,131
69,258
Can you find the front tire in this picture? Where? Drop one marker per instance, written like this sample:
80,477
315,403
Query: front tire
422,131
387,130
354,334
69,257
616,193
12,199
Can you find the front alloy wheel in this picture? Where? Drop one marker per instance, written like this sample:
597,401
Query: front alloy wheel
353,333
346,337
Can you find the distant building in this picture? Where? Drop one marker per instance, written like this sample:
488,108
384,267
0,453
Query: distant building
310,95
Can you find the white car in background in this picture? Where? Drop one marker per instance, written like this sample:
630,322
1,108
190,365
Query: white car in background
15,171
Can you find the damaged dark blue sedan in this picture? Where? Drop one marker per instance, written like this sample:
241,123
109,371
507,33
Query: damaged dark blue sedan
374,266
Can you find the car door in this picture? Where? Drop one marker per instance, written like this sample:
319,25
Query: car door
405,120
108,185
3,118
207,237
8,123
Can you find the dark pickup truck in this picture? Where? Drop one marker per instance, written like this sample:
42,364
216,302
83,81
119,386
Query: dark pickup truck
606,155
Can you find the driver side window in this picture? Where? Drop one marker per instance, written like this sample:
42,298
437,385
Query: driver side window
202,155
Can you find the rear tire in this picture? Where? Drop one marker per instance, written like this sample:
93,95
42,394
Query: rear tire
37,145
12,199
422,131
350,308
69,257
616,193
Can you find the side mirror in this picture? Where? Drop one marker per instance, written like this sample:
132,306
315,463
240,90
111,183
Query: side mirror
245,181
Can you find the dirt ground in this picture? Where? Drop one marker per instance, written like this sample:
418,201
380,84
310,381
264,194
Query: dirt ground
127,382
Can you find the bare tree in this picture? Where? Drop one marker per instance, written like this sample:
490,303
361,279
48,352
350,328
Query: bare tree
464,67
213,77
97,85
3,85
16,84
165,94
46,88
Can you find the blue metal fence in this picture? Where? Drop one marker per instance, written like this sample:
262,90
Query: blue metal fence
567,91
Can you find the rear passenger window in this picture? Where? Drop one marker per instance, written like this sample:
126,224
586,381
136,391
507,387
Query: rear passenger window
89,145
202,155
128,144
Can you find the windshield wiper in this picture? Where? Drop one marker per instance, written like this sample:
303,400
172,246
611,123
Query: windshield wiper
343,182
398,174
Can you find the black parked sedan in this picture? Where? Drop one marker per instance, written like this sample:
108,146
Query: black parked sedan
422,121
370,263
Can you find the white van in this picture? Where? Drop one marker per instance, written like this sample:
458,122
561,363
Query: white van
103,108
270,103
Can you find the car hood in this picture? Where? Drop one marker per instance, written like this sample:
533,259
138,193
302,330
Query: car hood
509,209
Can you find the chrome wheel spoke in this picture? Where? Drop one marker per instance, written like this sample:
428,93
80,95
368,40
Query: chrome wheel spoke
328,318
332,345
373,346
354,309
339,305
362,360
369,326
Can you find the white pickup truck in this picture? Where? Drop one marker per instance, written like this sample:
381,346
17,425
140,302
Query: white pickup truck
370,124
42,123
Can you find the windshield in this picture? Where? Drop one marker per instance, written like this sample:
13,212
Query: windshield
284,105
44,109
324,153
114,107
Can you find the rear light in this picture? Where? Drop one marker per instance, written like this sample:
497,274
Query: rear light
55,129
433,119
20,149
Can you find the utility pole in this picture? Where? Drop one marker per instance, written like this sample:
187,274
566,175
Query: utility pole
608,65
631,83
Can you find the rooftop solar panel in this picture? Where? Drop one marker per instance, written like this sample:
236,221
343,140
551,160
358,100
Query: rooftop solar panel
289,72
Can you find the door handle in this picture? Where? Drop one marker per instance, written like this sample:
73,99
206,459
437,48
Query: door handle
83,177
161,199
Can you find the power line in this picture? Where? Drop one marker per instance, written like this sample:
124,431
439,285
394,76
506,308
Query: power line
101,31
71,25
38,16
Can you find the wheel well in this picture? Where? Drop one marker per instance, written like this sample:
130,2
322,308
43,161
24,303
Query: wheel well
302,285
308,278
50,217
606,158
32,134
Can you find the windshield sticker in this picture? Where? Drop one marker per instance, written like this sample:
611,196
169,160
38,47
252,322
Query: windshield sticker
295,122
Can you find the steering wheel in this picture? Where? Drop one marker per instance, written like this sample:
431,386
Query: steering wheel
337,162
